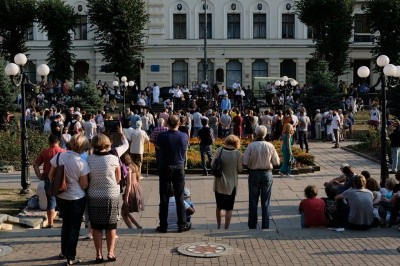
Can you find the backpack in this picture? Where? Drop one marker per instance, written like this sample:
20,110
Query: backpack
217,169
124,170
72,128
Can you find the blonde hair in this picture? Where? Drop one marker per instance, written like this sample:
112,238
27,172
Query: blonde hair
288,129
390,183
232,140
101,142
79,143
127,160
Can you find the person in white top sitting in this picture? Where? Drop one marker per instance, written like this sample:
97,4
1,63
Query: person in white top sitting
222,93
236,85
172,216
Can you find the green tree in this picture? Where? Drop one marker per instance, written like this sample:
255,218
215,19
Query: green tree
8,94
323,92
331,22
87,97
16,17
58,19
119,31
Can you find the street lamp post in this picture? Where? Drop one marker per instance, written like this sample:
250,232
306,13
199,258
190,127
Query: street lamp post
130,84
124,79
388,71
12,70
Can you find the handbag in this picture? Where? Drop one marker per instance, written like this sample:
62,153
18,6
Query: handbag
217,169
59,182
292,161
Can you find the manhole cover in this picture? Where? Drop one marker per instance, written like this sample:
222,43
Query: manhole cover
4,250
205,249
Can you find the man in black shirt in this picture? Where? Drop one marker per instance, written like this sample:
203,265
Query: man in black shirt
55,126
172,147
206,138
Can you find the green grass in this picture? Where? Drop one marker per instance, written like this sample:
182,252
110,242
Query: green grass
11,202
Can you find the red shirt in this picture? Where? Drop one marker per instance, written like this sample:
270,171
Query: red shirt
314,212
45,156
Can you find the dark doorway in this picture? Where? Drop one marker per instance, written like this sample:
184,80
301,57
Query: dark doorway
81,69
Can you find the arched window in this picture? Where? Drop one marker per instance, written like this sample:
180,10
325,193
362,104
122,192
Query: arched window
288,68
180,73
81,69
210,72
260,68
233,72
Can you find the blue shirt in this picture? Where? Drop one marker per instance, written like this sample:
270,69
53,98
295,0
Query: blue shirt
172,146
134,118
225,104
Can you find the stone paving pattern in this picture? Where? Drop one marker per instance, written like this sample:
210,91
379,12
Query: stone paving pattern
284,244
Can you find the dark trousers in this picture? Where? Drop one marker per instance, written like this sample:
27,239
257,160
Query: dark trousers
303,139
392,208
171,176
205,150
72,211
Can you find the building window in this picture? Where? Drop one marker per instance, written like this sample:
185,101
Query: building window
180,73
233,26
287,26
29,34
210,72
81,28
201,26
260,68
233,72
362,29
81,69
259,26
288,68
30,70
310,33
179,26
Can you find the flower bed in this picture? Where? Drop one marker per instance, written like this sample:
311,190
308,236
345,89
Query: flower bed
194,161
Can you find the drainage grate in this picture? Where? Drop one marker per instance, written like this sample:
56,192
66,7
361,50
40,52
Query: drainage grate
205,250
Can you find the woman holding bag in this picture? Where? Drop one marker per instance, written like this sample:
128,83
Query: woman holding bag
72,202
287,151
225,187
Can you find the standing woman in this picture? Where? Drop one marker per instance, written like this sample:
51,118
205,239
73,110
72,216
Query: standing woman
225,187
103,193
133,200
72,202
249,125
278,125
286,120
287,151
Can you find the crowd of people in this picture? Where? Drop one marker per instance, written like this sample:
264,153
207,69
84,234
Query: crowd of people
103,157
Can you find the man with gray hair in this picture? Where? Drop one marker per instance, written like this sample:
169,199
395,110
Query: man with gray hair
138,138
153,138
260,157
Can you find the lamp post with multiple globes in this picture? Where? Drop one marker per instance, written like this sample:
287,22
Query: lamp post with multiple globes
283,84
389,71
125,84
13,70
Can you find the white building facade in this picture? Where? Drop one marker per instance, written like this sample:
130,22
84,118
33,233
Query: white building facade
246,39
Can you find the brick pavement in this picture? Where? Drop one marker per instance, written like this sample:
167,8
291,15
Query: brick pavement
284,244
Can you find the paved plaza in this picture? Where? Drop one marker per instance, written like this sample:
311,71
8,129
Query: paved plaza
285,243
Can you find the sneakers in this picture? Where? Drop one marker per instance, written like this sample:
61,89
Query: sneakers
289,176
280,173
161,229
89,236
187,227
74,261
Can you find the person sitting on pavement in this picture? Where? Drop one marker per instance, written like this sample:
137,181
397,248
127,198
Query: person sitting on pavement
333,216
340,179
312,209
388,202
360,200
172,215
186,197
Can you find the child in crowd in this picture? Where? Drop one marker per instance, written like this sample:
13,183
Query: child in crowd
373,186
389,203
186,197
331,208
312,209
172,215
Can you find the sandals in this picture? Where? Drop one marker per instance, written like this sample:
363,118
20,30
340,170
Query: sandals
111,258
99,259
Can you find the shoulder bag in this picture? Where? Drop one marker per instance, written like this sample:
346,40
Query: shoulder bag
59,181
217,169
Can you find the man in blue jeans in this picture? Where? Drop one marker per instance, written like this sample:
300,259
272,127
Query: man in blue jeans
206,138
172,147
260,157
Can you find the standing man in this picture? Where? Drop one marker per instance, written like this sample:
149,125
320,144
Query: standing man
225,103
239,98
304,122
164,115
318,121
226,121
134,117
206,140
172,146
156,93
336,128
260,157
138,138
395,146
197,122
153,138
236,85
56,126
177,98
44,158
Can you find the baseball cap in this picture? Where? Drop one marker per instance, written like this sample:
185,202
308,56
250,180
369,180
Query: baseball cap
344,165
186,192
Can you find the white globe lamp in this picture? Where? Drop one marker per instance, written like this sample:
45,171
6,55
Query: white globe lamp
11,70
389,70
363,72
20,59
43,70
123,79
382,60
131,83
115,83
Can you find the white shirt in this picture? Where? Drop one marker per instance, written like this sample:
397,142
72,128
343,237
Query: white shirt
235,85
75,167
374,114
177,93
141,102
138,138
172,216
197,119
240,92
335,122
222,92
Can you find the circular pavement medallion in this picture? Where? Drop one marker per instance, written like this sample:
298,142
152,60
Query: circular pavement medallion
205,249
4,250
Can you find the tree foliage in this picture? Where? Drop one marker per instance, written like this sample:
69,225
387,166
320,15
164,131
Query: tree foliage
118,26
16,17
8,94
58,19
331,22
87,97
324,91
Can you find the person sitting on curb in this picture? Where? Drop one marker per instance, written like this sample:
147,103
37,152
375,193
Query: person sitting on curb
172,215
312,209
